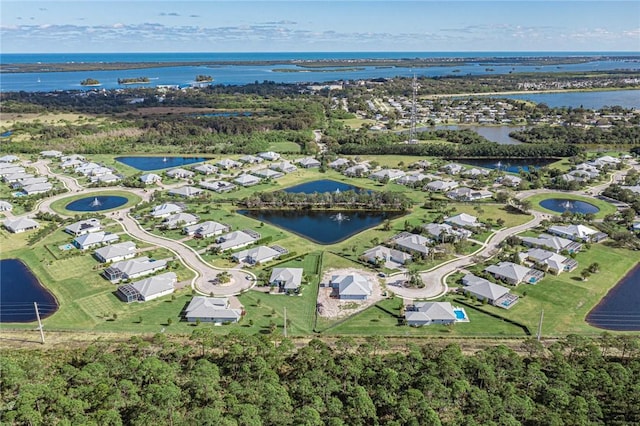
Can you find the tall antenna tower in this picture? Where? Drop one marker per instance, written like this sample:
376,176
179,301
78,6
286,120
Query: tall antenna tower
414,92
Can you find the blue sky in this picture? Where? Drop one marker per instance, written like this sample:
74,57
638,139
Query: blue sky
331,25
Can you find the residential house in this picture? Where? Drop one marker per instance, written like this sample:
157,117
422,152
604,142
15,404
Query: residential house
468,194
179,220
267,174
510,180
116,252
133,268
283,166
577,233
37,188
30,181
205,169
387,174
71,163
5,206
247,180
286,279
256,255
550,242
186,191
212,309
236,239
72,157
251,159
10,169
427,313
412,179
228,163
412,243
83,227
15,177
165,209
50,154
463,220
385,255
205,229
475,173
107,178
180,173
441,185
494,294
218,186
339,163
9,158
150,178
358,170
93,239
20,224
445,233
270,155
514,274
308,162
552,262
148,288
453,168
352,286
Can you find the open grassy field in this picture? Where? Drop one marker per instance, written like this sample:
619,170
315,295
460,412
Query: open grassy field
605,208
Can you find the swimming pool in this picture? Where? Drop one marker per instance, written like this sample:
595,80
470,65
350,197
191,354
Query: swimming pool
461,315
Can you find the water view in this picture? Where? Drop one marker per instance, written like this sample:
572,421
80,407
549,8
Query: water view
509,165
95,204
20,289
320,186
562,205
157,163
619,308
498,134
322,226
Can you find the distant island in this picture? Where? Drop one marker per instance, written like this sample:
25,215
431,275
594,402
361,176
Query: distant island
203,78
134,80
90,82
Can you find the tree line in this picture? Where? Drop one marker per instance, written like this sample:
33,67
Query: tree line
253,380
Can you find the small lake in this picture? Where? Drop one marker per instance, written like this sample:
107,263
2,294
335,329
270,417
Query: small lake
321,226
562,205
96,204
620,308
19,289
157,163
498,134
320,186
509,165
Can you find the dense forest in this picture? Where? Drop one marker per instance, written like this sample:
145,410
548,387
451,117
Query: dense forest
252,380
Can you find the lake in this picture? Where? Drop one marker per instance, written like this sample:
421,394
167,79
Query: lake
498,134
561,205
19,289
157,163
96,204
320,186
321,226
620,308
510,165
588,100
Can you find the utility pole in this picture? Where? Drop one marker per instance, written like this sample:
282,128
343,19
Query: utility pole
540,324
39,322
285,321
414,92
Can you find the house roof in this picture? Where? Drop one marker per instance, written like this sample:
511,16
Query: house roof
5,205
435,310
138,265
414,242
206,228
247,180
352,285
150,178
212,307
257,254
463,219
579,231
186,191
487,290
155,285
92,238
83,225
179,172
291,277
234,239
385,253
177,218
165,209
20,223
37,187
116,250
509,270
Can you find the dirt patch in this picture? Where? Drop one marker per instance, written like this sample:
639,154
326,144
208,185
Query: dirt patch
330,306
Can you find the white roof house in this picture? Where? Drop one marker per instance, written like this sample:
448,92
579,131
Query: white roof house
150,178
555,262
552,242
463,220
20,224
308,162
441,185
386,254
71,163
444,232
165,209
476,172
83,227
72,157
269,155
133,268
205,229
106,178
180,173
37,188
30,181
468,194
178,220
92,239
5,206
251,159
51,153
268,173
247,180
236,239
186,191
116,252
427,313
256,255
357,170
284,166
15,177
453,168
205,169
577,233
211,309
413,243
148,288
390,174
7,169
338,163
352,286
514,274
9,158
228,163
287,279
217,186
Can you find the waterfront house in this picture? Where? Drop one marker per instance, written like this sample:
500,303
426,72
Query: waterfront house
453,168
286,279
148,288
228,163
427,313
236,239
308,162
212,309
83,227
283,166
358,170
339,163
133,268
20,224
352,286
267,174
180,173
116,252
93,239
